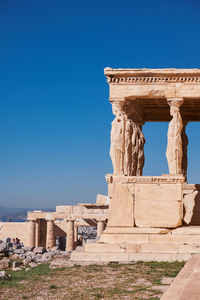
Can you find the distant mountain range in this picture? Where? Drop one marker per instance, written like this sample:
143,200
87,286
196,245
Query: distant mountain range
16,214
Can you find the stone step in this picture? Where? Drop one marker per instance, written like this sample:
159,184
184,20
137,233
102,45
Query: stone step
139,230
142,248
170,238
127,257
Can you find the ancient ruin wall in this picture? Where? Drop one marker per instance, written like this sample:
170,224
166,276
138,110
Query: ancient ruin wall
13,230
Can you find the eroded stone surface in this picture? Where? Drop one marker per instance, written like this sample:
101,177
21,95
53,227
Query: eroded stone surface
186,284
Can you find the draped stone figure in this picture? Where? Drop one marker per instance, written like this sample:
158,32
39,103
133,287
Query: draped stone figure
174,151
117,143
128,147
127,143
141,158
184,146
135,148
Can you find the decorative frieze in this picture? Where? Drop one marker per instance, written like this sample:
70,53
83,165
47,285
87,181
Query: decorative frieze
153,80
111,178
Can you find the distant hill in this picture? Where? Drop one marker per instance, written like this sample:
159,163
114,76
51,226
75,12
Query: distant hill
16,214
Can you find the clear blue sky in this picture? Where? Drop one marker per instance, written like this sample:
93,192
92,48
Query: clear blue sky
54,110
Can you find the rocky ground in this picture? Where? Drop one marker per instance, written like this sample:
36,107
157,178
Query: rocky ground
24,258
44,275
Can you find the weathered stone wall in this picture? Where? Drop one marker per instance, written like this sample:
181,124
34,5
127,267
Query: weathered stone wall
13,230
60,228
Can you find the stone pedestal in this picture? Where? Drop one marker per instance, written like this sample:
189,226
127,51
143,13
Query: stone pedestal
70,235
158,204
145,201
121,209
50,234
31,234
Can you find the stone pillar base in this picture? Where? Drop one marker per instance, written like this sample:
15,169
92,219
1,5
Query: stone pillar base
145,201
146,244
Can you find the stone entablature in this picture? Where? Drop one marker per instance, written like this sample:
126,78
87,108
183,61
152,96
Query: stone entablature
148,91
112,178
129,76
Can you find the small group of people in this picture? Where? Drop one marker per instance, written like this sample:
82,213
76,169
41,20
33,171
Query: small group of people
16,243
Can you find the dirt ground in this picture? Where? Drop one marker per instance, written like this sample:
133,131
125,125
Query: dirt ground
141,280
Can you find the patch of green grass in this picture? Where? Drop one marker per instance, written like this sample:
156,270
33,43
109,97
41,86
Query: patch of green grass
114,265
98,296
93,268
31,275
53,286
115,281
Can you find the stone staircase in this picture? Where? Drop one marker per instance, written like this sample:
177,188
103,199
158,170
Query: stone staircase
145,244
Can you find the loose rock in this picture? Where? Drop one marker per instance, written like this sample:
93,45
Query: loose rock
46,257
39,250
19,251
3,275
4,264
16,264
32,265
27,260
3,247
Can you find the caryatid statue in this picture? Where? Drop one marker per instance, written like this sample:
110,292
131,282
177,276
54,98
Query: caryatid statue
135,148
117,146
141,158
128,146
127,142
184,146
174,151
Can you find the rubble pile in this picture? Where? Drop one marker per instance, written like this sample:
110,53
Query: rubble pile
20,257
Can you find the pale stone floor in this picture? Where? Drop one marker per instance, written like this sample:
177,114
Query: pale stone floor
114,281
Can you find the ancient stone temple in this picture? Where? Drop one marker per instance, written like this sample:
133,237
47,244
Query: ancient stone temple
150,217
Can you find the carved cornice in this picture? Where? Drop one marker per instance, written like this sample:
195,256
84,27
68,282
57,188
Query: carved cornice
151,76
151,80
112,178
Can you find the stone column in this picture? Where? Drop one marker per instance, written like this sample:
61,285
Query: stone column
184,146
117,142
31,234
75,234
70,235
50,234
37,233
174,151
141,157
100,227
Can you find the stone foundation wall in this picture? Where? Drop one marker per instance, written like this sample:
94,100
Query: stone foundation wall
13,230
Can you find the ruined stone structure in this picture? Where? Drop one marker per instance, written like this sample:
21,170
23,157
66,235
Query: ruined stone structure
148,215
42,228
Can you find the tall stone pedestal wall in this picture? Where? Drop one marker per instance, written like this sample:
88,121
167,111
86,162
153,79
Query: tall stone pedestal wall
145,201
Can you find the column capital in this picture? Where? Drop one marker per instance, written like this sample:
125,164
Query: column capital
175,101
50,220
100,219
49,217
31,220
117,105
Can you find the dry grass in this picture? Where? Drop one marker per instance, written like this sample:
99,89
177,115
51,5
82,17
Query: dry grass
114,281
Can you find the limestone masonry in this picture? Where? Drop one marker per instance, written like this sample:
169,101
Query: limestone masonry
143,217
149,217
